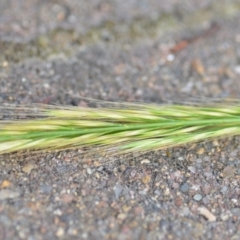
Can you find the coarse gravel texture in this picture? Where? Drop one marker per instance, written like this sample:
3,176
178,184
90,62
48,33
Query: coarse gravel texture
148,51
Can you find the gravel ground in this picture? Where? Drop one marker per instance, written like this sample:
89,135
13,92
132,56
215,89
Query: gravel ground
150,51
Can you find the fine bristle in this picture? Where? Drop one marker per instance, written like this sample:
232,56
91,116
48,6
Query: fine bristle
133,128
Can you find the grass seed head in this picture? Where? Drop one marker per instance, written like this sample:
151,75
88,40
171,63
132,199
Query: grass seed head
142,127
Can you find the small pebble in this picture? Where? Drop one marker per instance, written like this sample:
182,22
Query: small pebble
146,179
200,151
46,189
143,192
178,201
185,211
224,217
170,57
185,187
5,64
67,198
197,197
57,212
60,232
145,161
126,208
28,168
224,189
166,192
207,214
228,171
5,184
122,216
192,169
118,189
89,171
97,175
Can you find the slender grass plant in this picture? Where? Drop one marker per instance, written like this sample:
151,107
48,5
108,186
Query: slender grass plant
122,129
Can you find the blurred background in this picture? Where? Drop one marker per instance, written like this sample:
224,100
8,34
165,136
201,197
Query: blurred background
54,51
136,50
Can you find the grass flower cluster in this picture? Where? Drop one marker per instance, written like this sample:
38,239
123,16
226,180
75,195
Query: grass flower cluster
131,128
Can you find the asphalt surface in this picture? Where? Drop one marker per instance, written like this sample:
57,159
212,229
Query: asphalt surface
135,51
